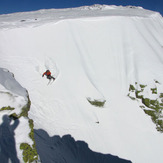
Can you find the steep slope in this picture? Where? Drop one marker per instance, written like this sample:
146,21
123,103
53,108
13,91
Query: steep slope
97,54
16,129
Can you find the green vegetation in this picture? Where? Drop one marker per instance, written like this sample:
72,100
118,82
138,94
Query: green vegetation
132,98
31,125
154,117
97,102
29,153
137,94
14,116
154,90
142,86
146,102
131,88
151,107
7,108
25,109
161,95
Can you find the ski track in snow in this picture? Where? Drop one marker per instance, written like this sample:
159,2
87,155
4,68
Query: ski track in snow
91,56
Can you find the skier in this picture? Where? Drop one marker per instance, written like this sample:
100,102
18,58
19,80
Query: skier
48,75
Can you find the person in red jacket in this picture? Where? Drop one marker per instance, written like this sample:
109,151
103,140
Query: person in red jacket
47,73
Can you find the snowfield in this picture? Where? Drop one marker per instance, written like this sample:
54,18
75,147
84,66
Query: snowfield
95,52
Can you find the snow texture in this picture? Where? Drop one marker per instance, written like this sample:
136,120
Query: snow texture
12,132
8,81
98,51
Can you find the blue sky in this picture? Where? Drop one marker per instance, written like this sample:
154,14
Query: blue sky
10,6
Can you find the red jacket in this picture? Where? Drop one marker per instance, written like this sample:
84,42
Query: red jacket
47,73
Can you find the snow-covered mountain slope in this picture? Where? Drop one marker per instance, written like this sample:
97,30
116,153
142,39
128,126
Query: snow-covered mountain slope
14,128
95,53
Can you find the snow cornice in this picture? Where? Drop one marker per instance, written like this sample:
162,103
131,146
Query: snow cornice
44,16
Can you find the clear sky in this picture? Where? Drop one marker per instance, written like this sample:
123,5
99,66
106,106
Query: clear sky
10,6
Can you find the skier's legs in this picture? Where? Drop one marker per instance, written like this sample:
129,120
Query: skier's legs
49,77
52,77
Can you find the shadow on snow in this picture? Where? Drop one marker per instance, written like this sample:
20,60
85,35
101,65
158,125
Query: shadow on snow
65,149
7,141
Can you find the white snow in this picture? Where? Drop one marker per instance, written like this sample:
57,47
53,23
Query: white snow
14,95
8,81
95,52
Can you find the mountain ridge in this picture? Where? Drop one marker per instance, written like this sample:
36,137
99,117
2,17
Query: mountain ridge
15,20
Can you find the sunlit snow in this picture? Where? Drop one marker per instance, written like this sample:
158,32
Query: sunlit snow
94,52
